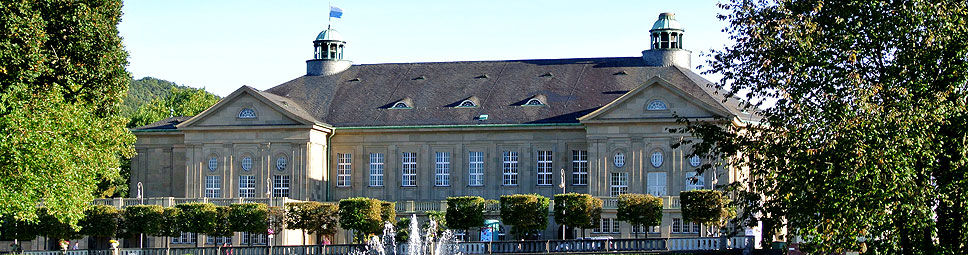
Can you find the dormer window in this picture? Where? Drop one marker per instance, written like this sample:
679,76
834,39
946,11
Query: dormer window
656,105
400,105
467,103
534,102
247,113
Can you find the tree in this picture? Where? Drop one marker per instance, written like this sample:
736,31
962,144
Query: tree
180,102
639,210
311,217
52,227
440,222
858,140
277,220
578,210
62,80
465,212
528,214
363,215
100,221
13,229
249,218
198,218
143,219
223,223
170,226
388,211
403,230
707,207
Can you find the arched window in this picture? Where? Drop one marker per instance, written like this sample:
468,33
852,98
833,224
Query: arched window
247,163
212,163
656,105
400,105
619,159
281,163
657,159
467,103
534,101
247,113
695,161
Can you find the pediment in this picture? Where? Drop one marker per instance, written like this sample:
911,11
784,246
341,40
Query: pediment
245,107
656,99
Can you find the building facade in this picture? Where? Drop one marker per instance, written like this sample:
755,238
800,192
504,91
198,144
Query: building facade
417,133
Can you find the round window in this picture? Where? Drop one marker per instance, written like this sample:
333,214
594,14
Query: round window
213,163
247,113
281,163
695,161
657,159
619,159
247,163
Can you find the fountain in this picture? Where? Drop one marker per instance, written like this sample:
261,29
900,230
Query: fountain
417,244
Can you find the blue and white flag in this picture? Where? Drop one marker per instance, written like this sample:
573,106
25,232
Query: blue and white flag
335,12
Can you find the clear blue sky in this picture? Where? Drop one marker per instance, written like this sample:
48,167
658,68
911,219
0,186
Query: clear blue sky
222,45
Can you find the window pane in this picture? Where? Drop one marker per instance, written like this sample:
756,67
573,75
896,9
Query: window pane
344,169
579,167
544,167
376,169
510,168
475,168
442,169
409,167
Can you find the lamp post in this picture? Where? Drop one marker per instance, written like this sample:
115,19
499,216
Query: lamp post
141,193
561,185
269,231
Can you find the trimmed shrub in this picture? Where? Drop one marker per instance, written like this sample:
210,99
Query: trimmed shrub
465,212
143,219
528,214
199,218
100,221
578,210
639,210
388,212
363,215
708,207
223,222
249,217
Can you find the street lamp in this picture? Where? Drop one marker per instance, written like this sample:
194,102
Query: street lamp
141,193
561,185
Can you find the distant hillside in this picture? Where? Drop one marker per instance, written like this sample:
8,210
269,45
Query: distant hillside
144,90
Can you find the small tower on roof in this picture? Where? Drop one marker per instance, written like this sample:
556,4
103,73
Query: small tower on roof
327,54
666,44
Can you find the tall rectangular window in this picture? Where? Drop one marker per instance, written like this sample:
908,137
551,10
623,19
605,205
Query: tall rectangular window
409,161
657,184
376,169
579,167
213,186
280,186
607,225
694,181
544,167
184,238
475,168
510,168
676,225
344,169
620,184
246,186
442,169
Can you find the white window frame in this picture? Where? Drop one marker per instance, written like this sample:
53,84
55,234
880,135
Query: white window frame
545,166
695,161
185,238
619,184
376,169
246,163
606,226
579,167
218,240
510,166
657,184
400,105
656,105
462,104
408,162
442,169
619,159
246,186
280,185
213,186
677,225
213,163
344,169
282,163
259,238
656,159
475,168
699,184
534,102
247,113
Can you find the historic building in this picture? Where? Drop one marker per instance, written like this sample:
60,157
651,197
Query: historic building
416,133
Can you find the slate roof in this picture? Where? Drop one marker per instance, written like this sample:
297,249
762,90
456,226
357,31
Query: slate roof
162,125
362,95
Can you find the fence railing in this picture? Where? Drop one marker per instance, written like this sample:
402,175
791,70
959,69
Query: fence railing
503,247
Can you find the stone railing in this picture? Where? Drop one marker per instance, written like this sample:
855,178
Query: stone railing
668,202
172,201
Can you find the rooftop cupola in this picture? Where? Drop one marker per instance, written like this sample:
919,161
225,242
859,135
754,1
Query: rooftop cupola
666,43
328,54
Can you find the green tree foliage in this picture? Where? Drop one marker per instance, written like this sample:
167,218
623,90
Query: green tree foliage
640,209
403,230
61,84
277,219
363,215
144,90
528,214
100,221
14,229
388,211
249,217
170,226
143,219
181,102
223,223
52,227
707,207
439,218
465,212
312,217
578,210
199,218
865,146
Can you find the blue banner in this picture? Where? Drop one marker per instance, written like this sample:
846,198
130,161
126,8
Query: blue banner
335,12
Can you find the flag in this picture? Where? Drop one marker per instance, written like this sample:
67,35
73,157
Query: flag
335,12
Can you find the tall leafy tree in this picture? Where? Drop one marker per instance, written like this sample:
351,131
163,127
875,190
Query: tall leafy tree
199,218
362,215
249,218
578,210
526,213
707,207
100,221
170,226
61,85
465,212
180,102
860,139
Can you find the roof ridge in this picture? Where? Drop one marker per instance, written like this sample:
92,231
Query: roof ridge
494,60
